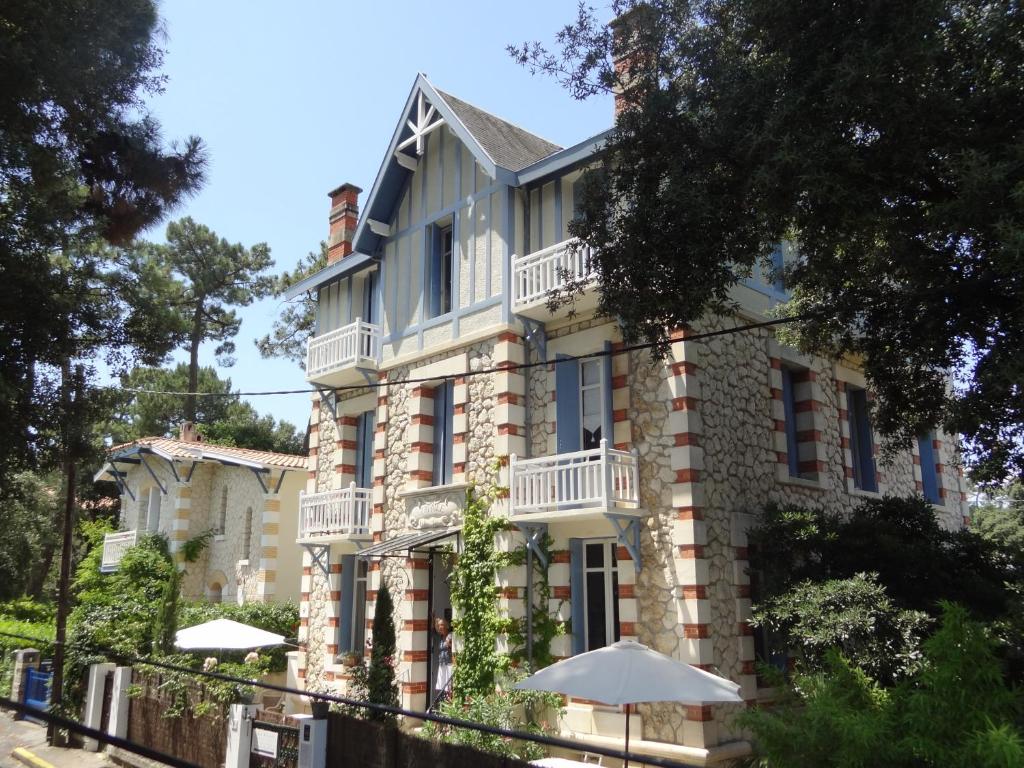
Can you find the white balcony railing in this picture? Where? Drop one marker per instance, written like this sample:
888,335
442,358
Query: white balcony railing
600,479
114,547
354,345
335,513
534,276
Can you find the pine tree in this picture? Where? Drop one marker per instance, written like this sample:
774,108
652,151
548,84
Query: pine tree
381,684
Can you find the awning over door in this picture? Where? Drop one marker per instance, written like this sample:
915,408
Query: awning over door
408,542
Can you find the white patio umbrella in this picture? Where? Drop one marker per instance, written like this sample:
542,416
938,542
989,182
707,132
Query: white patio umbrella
628,672
225,634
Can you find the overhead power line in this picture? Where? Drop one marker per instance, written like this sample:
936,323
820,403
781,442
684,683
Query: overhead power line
506,368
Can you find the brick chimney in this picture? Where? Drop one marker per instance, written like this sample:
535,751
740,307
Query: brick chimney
343,219
187,433
628,39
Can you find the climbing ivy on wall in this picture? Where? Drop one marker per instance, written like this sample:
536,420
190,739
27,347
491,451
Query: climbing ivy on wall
475,596
475,593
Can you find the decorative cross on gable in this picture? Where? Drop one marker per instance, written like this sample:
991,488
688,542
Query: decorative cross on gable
427,120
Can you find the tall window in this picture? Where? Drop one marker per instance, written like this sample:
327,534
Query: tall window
601,588
439,298
861,443
153,520
789,406
444,416
929,471
364,449
583,409
359,605
778,264
247,535
222,517
591,403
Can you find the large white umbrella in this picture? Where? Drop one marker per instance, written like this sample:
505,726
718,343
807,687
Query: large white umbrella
225,634
628,672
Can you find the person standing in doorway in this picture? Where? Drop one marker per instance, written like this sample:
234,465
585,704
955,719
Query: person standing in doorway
443,685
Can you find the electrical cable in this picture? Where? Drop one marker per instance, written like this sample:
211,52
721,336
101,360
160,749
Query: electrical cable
506,733
503,368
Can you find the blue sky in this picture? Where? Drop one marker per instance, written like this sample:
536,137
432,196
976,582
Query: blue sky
294,99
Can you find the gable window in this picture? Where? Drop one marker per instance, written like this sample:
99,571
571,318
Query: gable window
439,270
444,418
929,468
861,443
364,449
352,608
594,583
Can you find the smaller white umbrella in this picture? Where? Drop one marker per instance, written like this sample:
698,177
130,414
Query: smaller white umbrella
628,672
225,634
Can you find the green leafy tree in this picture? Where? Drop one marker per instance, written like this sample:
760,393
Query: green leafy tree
956,711
223,418
29,519
917,561
80,159
381,686
883,139
853,615
217,276
297,322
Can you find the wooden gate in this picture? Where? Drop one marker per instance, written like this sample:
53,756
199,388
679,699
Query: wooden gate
275,742
108,697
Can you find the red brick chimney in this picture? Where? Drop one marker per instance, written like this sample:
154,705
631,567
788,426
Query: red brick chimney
343,219
628,38
187,433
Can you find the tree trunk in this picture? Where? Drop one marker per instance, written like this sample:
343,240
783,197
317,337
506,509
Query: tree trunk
194,340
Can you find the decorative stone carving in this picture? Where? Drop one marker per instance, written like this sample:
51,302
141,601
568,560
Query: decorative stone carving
435,513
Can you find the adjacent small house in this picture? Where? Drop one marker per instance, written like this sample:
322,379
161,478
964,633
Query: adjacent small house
246,499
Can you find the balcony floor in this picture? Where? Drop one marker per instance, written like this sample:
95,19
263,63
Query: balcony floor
538,310
344,376
569,514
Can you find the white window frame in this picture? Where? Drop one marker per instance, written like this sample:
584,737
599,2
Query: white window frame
598,386
610,571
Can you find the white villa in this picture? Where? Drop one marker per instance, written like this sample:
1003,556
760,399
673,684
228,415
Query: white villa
247,499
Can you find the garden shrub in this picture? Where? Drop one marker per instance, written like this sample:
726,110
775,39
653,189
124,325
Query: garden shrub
956,711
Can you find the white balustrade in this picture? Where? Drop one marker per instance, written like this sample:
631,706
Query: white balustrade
602,478
114,547
534,276
355,344
333,513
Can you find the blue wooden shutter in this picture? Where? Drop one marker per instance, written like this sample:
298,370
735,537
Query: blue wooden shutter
370,297
433,281
860,432
778,265
929,478
567,405
789,407
607,424
579,619
364,450
348,585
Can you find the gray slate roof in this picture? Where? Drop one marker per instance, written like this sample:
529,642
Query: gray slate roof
508,145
